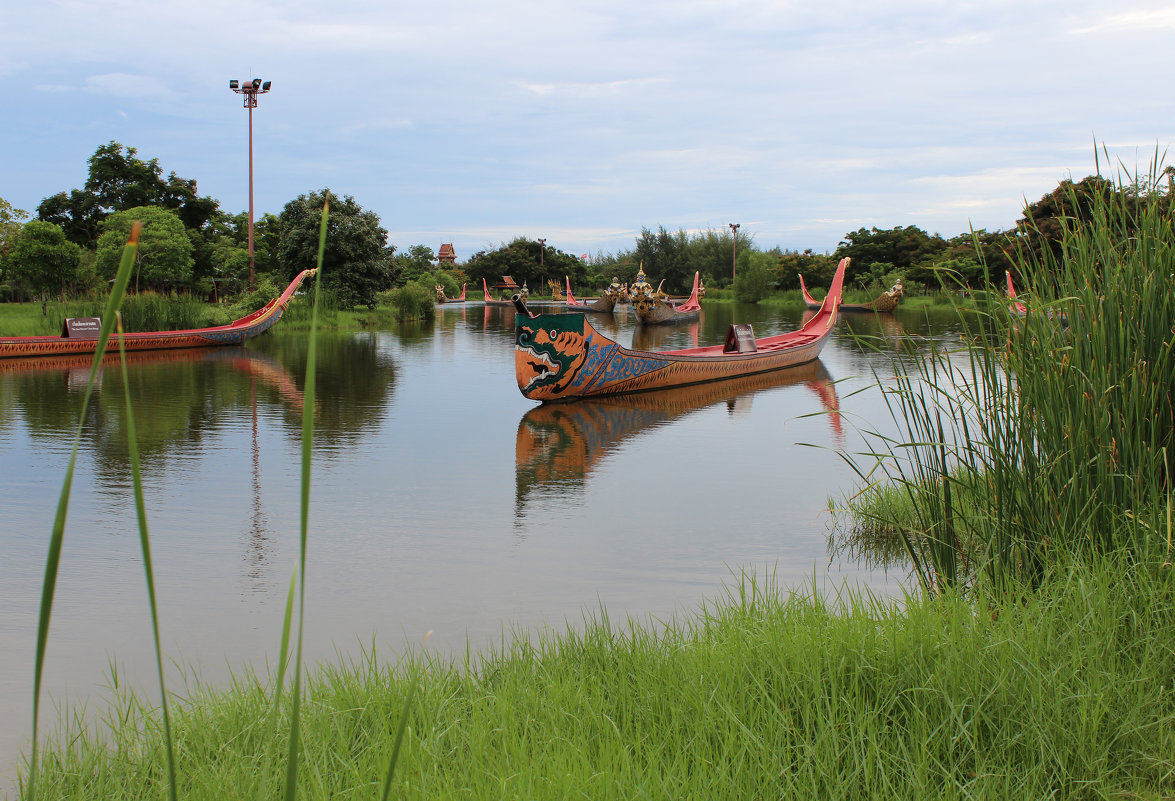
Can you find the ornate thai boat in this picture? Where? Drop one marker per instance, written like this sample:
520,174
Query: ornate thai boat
601,305
556,290
561,356
81,336
506,301
442,299
654,308
885,302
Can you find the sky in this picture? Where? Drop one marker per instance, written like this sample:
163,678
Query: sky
582,122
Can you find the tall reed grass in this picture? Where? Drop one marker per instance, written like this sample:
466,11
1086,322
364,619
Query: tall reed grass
1056,427
145,311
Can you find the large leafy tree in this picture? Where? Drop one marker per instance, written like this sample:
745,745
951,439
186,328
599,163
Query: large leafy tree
663,255
164,258
876,252
817,268
119,180
1042,226
11,219
675,257
357,260
43,259
413,263
525,260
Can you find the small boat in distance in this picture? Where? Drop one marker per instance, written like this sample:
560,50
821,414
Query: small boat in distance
442,299
504,301
562,357
885,302
653,308
81,335
601,305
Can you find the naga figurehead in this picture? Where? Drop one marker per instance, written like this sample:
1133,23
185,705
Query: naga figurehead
549,350
440,294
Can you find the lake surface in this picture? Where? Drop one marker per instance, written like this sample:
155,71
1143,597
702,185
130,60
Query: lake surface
442,500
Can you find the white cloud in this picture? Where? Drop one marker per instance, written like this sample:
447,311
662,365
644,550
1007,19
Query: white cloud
120,84
1146,20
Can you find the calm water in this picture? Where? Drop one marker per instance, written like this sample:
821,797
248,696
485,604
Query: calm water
442,500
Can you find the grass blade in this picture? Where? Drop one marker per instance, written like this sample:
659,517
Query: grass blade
307,450
145,545
57,538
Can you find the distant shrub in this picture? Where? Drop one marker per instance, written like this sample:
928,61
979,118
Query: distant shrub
753,283
413,301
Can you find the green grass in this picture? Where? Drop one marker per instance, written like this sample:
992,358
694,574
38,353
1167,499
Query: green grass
1063,693
26,320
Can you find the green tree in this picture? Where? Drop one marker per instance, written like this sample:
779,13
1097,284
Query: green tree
11,219
675,257
357,260
817,268
662,255
754,278
164,258
413,263
1043,225
119,180
876,252
43,259
525,260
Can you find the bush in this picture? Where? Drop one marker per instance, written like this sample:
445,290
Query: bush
413,301
754,282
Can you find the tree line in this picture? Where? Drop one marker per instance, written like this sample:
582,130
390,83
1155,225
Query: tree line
190,245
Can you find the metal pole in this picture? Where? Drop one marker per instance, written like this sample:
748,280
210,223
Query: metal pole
251,194
249,89
734,259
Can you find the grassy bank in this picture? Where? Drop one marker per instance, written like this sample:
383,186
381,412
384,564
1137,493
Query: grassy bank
1063,693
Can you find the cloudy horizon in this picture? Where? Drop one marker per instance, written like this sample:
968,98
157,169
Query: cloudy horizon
582,123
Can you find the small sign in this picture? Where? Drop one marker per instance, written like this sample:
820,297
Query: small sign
81,327
740,339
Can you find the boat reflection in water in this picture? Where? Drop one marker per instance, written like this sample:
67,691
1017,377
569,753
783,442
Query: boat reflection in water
74,369
558,444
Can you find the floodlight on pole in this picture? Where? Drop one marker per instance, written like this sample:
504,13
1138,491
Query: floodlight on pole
249,89
734,259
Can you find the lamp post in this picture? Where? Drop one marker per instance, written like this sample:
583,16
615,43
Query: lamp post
542,258
734,259
249,89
